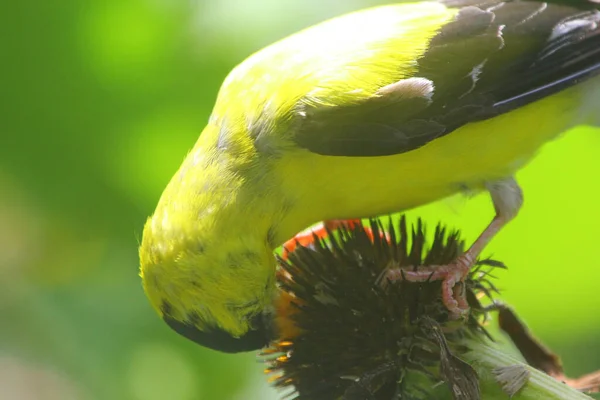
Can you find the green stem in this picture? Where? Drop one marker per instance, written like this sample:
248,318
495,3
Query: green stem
540,386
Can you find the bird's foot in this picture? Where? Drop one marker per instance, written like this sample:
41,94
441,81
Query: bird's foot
452,275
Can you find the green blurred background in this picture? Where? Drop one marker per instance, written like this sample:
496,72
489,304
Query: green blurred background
102,99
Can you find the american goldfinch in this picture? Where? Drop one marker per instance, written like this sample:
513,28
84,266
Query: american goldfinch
374,112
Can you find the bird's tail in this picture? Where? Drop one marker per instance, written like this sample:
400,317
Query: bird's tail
591,108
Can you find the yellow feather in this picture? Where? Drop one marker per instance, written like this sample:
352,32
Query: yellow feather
245,187
350,187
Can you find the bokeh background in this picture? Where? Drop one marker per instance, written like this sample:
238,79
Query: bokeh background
101,99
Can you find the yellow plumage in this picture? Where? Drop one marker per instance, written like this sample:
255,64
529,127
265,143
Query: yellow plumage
247,186
468,157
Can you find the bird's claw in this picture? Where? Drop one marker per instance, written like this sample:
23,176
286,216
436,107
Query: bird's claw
452,275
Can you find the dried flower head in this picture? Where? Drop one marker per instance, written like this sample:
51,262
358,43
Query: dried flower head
343,334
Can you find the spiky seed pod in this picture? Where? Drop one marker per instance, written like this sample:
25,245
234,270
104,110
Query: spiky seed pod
344,335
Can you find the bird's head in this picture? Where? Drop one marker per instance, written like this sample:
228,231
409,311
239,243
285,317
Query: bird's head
214,294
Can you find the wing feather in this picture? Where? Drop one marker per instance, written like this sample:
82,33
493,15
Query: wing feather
494,56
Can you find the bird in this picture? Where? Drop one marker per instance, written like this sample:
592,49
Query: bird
370,113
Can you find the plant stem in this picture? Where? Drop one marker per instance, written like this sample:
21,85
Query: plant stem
484,359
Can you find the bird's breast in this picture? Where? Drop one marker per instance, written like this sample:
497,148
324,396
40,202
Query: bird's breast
331,187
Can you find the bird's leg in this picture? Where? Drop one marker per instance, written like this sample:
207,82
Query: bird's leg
507,199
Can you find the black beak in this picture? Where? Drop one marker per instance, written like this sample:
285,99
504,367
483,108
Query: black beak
220,340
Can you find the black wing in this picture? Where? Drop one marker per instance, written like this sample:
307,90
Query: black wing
494,57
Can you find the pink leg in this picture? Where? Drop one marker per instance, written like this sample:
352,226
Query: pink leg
507,198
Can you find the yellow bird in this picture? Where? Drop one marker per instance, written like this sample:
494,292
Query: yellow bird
374,112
